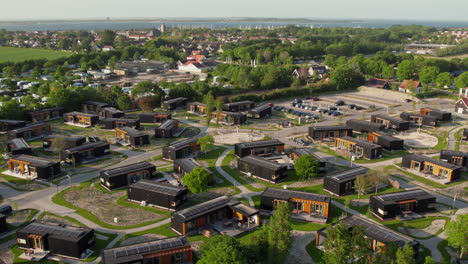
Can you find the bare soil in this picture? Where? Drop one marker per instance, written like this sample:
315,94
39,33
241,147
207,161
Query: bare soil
435,226
233,138
418,140
18,217
59,220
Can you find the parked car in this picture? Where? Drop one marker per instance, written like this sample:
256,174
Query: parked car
336,114
332,108
315,99
6,209
312,108
339,103
407,100
357,107
299,141
351,106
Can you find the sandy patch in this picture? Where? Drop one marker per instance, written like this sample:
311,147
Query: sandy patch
233,138
418,140
435,226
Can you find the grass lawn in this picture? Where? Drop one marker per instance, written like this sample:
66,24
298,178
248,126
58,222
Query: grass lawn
163,230
235,173
422,179
12,54
442,247
387,155
417,224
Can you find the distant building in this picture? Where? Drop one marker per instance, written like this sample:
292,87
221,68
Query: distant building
440,115
378,83
461,106
410,86
391,122
419,119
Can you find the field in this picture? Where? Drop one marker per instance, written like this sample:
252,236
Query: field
19,54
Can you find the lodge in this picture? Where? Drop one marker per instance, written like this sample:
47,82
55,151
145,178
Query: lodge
454,157
3,223
59,142
321,133
364,126
113,123
260,112
168,129
125,175
342,183
110,112
87,152
223,214
127,136
181,149
229,118
391,122
196,108
80,119
31,167
31,132
174,103
305,206
379,235
263,169
259,148
45,114
184,166
436,168
423,120
348,147
168,250
58,239
400,204
93,106
151,118
240,106
378,83
386,141
465,134
18,146
162,195
296,153
440,115
6,125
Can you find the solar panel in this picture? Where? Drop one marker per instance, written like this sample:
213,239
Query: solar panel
402,195
128,168
204,207
262,162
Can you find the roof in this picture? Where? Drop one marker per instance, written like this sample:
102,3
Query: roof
422,158
12,121
288,194
197,103
87,146
391,119
260,108
245,209
119,120
418,115
112,110
405,83
464,100
154,113
327,128
435,110
377,82
238,103
29,127
183,143
360,143
80,114
65,137
168,124
94,103
263,162
230,113
454,153
133,253
131,131
386,136
187,164
158,187
347,175
390,198
46,110
175,100
34,161
307,151
18,143
362,124
42,228
127,169
258,144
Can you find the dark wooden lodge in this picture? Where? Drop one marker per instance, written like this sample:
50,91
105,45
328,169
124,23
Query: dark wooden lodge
320,133
113,123
110,112
131,137
87,152
240,106
391,122
93,107
6,125
167,129
33,167
296,153
306,206
440,115
151,118
342,183
59,239
263,169
229,118
219,210
378,83
379,235
196,108
386,141
18,146
3,223
458,158
418,119
81,119
436,168
184,166
68,142
174,103
349,146
170,250
465,134
260,111
45,114
181,149
364,126
259,148
31,132
163,195
125,175
390,205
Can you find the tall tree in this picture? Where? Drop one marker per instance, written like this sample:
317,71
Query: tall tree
210,105
460,82
362,185
222,249
428,74
279,234
377,177
219,107
405,255
457,233
307,167
406,70
197,180
444,79
344,246
124,102
206,143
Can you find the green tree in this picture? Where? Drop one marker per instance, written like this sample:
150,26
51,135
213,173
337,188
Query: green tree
376,178
344,77
197,180
362,185
148,103
429,260
405,255
144,87
444,79
388,71
206,143
222,249
406,70
219,107
345,246
107,37
210,105
11,110
457,233
124,102
279,234
462,80
428,74
306,167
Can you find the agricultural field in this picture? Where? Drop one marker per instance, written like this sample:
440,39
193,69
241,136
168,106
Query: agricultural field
20,54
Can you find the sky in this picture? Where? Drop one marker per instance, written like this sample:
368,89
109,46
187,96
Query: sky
448,10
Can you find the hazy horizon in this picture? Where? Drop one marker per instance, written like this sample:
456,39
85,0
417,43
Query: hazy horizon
449,10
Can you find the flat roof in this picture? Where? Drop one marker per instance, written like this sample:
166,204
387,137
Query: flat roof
74,113
65,137
113,119
360,143
258,144
127,168
187,164
260,108
307,151
326,128
262,162
197,103
175,100
436,110
168,124
389,118
238,103
12,121
164,188
87,146
42,228
18,143
46,110
418,115
183,143
154,113
454,153
34,161
28,127
288,194
348,174
444,164
404,195
131,131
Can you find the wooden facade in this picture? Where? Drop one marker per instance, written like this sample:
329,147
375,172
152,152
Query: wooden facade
349,146
181,149
458,158
440,115
391,122
229,118
240,106
418,119
151,118
45,114
168,129
259,148
196,108
174,103
260,112
263,169
342,183
364,126
125,175
437,168
113,123
80,119
31,132
6,125
386,141
18,146
87,152
161,195
131,137
321,133
33,167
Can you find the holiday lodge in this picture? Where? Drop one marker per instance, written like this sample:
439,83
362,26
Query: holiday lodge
348,147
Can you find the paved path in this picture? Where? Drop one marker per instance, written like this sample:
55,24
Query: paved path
297,253
451,137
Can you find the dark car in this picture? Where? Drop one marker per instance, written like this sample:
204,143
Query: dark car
357,107
312,108
332,108
339,103
6,209
351,106
336,114
93,139
408,100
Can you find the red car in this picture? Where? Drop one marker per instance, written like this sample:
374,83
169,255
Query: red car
314,99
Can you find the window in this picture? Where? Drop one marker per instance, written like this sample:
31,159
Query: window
382,212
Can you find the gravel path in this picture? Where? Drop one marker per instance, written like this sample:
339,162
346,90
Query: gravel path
298,253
